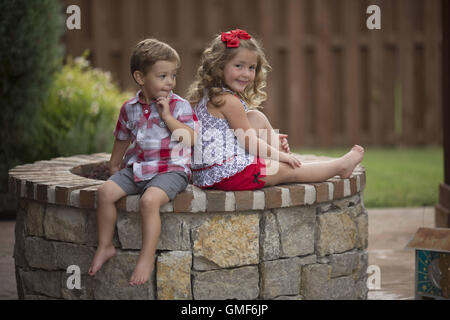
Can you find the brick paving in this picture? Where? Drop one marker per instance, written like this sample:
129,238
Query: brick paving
389,232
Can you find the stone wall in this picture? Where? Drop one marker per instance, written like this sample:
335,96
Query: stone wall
296,241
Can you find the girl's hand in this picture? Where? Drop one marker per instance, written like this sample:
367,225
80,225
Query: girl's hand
290,159
162,105
284,142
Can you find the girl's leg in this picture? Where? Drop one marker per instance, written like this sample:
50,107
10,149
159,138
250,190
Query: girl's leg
150,203
315,171
108,194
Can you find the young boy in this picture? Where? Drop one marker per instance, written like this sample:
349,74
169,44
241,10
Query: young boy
155,122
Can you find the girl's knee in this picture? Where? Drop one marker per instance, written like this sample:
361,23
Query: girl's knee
256,116
279,172
258,120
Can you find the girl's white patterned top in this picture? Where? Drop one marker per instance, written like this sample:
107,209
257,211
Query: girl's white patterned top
217,153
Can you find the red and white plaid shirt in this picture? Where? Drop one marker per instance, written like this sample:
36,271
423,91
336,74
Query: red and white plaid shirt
152,149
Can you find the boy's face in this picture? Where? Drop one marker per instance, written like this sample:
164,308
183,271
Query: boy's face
240,71
159,80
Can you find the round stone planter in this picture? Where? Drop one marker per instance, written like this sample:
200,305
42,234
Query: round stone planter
293,241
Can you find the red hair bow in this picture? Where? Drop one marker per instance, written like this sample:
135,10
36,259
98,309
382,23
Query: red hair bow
232,37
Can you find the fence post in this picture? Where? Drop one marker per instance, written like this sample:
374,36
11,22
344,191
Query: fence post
432,39
295,73
406,56
352,86
324,67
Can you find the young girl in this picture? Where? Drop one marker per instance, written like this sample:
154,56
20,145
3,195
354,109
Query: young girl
237,148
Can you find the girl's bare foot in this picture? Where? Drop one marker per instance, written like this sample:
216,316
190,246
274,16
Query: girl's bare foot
351,160
102,255
142,271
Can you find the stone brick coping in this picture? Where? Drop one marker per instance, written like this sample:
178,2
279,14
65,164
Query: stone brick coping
59,181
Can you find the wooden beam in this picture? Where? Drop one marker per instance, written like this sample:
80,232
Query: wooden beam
442,209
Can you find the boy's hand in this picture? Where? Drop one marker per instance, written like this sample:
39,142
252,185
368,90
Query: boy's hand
284,142
162,105
113,169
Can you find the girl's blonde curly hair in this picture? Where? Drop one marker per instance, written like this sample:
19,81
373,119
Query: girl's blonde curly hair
210,74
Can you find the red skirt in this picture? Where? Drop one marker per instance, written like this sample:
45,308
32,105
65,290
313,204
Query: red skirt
247,179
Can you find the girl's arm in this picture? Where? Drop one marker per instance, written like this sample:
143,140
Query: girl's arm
178,129
119,149
235,115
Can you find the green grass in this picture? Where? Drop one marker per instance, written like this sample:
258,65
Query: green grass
397,177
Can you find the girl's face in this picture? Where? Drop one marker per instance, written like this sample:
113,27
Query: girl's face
240,71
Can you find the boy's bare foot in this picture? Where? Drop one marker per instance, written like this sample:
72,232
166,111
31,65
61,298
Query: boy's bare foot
351,160
101,256
142,271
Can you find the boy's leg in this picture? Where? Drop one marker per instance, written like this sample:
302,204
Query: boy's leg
108,194
315,171
150,203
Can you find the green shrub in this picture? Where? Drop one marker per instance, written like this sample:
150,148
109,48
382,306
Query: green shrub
29,55
80,114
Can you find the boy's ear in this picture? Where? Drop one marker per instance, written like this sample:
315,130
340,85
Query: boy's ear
139,77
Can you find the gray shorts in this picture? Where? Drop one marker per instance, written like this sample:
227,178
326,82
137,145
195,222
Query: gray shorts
171,183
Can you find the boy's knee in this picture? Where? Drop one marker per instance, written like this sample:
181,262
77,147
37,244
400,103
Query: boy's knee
149,202
103,193
106,192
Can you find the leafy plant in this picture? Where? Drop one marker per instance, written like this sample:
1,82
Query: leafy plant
81,111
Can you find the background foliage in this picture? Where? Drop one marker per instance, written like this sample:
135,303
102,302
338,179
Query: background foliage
81,111
29,56
49,108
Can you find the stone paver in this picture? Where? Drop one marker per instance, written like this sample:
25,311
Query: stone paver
389,232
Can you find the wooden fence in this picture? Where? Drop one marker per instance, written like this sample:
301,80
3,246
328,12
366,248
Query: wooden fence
333,83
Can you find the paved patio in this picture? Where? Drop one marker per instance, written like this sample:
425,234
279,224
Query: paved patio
389,232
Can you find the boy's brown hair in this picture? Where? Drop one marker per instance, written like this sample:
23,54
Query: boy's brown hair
147,52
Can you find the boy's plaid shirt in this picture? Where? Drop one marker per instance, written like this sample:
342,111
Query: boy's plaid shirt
152,150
